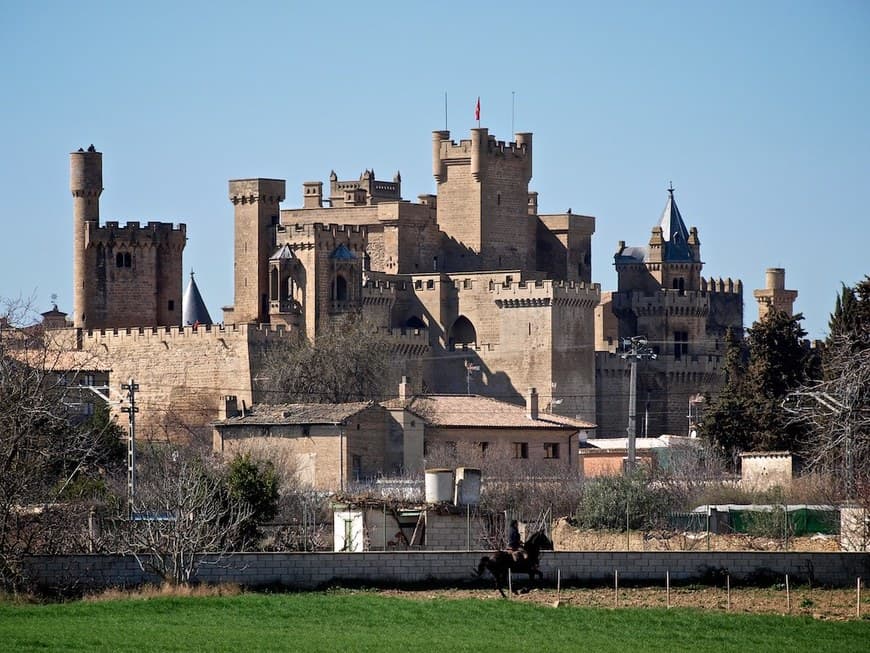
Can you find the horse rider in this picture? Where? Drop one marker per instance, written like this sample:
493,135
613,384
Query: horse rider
515,544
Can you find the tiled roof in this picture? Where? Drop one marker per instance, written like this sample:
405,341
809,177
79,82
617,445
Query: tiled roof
476,411
300,413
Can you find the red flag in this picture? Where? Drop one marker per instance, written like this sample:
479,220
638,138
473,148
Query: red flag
477,110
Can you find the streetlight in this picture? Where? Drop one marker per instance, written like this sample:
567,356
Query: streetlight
639,350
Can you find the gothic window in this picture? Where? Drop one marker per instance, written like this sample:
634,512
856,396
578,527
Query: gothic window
462,333
273,284
681,344
340,289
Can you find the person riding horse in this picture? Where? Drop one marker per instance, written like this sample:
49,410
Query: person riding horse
515,544
523,560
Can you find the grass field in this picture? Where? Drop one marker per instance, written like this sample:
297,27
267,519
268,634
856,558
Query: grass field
362,621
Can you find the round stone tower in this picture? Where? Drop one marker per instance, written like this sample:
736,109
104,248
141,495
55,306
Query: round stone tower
86,185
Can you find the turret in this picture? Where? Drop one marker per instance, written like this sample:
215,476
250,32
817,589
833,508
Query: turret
438,165
774,297
257,212
86,186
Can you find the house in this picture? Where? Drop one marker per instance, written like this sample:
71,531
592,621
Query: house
328,446
491,426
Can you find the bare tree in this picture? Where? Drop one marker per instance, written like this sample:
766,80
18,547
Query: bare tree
182,508
836,412
349,361
519,486
46,450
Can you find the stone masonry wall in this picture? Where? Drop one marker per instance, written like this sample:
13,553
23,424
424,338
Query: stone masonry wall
182,372
452,568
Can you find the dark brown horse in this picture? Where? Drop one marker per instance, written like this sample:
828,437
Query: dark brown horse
524,561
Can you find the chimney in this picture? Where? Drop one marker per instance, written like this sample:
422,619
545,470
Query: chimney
532,404
404,389
230,407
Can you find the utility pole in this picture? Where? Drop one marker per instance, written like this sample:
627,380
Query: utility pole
132,387
639,350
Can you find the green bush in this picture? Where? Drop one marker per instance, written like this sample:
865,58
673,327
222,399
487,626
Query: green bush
617,502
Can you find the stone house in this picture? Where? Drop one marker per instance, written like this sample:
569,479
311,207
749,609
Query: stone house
493,427
328,446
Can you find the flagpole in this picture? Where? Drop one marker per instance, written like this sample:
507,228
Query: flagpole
445,110
513,110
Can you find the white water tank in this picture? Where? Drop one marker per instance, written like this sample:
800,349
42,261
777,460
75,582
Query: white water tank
439,485
467,486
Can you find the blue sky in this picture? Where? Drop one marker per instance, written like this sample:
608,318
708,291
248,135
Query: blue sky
759,112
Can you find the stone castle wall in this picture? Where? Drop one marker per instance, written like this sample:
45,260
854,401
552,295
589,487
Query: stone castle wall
182,372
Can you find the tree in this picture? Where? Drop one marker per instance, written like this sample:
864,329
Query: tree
747,413
348,361
183,508
254,484
44,449
835,411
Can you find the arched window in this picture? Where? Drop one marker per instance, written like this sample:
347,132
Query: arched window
462,333
340,289
273,285
414,322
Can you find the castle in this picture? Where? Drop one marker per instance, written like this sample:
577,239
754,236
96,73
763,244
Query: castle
473,287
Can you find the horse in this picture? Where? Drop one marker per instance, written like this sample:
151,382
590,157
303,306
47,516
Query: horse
522,561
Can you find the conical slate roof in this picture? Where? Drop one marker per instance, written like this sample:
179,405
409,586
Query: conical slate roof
674,232
193,310
342,253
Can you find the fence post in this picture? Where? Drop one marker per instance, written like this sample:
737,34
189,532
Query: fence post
616,587
668,588
728,592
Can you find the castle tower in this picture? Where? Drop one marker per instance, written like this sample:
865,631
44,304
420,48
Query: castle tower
662,297
483,200
315,274
123,276
86,186
257,213
774,297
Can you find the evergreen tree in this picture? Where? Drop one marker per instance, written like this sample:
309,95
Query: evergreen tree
748,415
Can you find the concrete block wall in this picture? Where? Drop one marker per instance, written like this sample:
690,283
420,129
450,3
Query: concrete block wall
453,568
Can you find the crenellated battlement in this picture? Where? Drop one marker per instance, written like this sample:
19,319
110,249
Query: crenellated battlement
462,150
134,234
315,229
251,332
406,342
545,292
726,286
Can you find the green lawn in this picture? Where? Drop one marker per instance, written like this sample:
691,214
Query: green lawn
348,621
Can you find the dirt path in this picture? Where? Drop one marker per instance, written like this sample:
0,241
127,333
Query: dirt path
831,604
